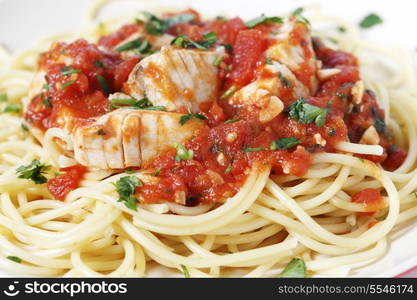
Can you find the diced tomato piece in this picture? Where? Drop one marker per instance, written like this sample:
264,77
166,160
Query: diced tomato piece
61,185
247,51
370,199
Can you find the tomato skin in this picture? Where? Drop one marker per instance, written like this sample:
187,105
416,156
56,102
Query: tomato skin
124,32
370,199
396,157
247,52
61,185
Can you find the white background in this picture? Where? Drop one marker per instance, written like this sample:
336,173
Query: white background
22,22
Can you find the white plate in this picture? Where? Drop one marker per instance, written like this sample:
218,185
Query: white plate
23,22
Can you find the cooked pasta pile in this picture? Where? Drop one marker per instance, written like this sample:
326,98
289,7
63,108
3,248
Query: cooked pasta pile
270,220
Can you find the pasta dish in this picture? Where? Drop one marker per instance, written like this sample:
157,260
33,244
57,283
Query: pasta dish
172,144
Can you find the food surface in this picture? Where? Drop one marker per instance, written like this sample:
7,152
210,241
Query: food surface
216,147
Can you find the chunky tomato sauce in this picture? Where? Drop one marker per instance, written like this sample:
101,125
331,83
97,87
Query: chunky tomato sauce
235,138
64,183
370,199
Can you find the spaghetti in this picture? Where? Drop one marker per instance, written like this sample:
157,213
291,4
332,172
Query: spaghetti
318,214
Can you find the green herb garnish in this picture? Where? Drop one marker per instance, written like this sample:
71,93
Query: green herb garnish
248,149
33,171
68,71
284,143
12,108
184,41
3,97
218,61
157,172
15,259
103,84
185,271
183,153
284,80
156,26
67,84
232,120
261,20
141,45
125,187
296,268
185,118
228,93
298,16
306,113
370,20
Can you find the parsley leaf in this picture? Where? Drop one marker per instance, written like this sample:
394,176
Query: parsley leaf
185,118
296,268
370,20
261,20
156,26
34,171
15,259
284,143
141,45
125,186
298,16
183,153
184,41
3,97
248,149
228,93
306,113
68,71
185,271
143,103
232,120
103,84
12,108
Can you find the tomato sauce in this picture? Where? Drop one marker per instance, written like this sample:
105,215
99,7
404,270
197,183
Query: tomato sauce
235,139
370,199
62,184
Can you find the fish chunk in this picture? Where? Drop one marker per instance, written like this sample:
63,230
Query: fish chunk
175,78
292,47
130,138
263,94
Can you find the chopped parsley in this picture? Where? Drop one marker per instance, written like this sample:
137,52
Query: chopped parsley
228,169
284,143
298,16
184,41
3,97
156,26
218,61
185,118
185,271
341,29
284,80
141,45
68,83
232,120
296,268
12,108
228,93
157,172
103,84
46,101
370,21
33,171
24,127
331,131
261,20
65,71
228,47
183,153
268,61
15,259
99,63
143,103
306,113
125,187
249,149
343,96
